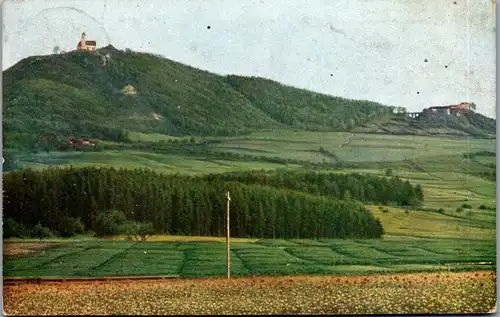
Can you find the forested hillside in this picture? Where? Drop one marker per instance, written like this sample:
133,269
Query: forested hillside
108,93
305,110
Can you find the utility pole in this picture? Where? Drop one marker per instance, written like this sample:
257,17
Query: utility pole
228,261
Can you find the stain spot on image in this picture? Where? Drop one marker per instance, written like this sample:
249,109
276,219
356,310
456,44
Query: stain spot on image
209,27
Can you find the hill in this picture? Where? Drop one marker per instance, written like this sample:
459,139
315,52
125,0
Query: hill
468,124
109,93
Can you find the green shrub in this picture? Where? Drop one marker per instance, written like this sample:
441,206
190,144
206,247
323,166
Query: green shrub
466,206
441,210
460,209
484,207
12,228
389,172
70,226
39,231
138,231
108,223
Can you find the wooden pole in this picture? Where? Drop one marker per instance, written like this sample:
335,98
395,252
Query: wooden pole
228,260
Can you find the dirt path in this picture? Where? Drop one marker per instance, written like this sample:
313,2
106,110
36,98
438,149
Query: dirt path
17,249
348,140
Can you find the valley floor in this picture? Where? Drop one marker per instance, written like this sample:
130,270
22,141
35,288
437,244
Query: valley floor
454,231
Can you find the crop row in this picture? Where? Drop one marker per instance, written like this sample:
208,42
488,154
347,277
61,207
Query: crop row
266,257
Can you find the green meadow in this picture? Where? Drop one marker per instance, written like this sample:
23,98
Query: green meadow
429,153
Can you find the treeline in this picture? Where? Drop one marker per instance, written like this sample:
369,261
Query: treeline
473,155
182,205
489,172
366,188
488,175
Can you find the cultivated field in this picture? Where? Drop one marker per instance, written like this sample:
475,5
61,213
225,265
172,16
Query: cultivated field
199,257
424,293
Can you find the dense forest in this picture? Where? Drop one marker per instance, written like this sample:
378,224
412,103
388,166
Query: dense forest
184,205
304,110
365,188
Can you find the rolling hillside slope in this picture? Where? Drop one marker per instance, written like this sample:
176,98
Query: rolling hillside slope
106,93
469,124
110,93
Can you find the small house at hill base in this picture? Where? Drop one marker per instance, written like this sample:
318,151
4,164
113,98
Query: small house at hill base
83,141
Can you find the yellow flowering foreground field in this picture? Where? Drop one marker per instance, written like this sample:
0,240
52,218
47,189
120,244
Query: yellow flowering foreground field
470,292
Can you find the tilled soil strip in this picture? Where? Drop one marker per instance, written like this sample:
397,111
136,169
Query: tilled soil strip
21,280
347,278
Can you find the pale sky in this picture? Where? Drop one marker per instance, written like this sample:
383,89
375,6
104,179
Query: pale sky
358,49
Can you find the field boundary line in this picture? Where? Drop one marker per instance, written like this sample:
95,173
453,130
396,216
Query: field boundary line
16,280
336,249
471,263
245,265
58,258
294,255
305,244
111,258
38,280
185,257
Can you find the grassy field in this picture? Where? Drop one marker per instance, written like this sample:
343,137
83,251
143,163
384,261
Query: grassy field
425,153
455,293
136,159
356,147
471,224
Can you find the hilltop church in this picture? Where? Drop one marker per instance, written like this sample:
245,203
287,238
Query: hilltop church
86,45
